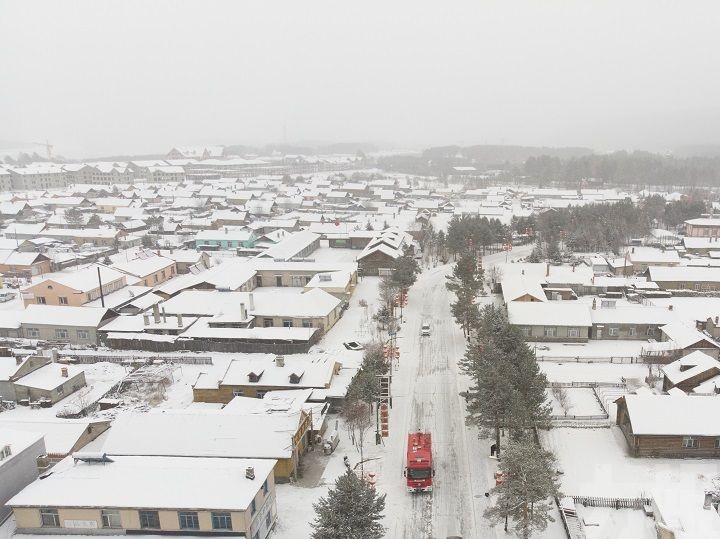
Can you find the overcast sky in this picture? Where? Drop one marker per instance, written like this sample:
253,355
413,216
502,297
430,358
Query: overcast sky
104,77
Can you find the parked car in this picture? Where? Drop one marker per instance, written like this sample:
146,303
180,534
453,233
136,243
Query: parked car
352,345
6,296
425,330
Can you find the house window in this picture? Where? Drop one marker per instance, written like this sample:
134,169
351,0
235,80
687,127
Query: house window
307,323
574,332
40,300
83,334
287,323
689,442
149,519
631,332
32,333
268,519
49,518
111,519
278,280
155,278
253,508
260,393
650,332
526,332
237,392
188,520
60,391
62,300
550,332
258,280
265,485
613,332
717,443
221,521
296,280
267,322
61,333
162,274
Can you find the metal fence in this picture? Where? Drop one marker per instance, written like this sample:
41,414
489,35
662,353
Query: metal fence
612,503
586,384
590,359
86,359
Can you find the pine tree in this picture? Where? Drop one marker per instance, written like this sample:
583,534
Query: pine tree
74,217
405,270
94,221
530,483
508,388
351,510
466,281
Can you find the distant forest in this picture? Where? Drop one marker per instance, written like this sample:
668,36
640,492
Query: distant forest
566,166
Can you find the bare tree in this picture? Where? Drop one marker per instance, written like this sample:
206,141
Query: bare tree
561,396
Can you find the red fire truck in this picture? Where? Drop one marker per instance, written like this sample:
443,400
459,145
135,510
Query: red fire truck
419,469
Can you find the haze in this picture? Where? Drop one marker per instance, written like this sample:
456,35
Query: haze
107,78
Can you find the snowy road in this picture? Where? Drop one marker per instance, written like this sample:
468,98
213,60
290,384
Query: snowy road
426,397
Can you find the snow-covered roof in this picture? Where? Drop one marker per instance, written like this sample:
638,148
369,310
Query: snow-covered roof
658,415
704,221
49,377
83,280
515,288
312,372
684,274
203,434
62,315
18,440
685,335
551,313
144,265
61,435
290,245
311,304
186,483
689,366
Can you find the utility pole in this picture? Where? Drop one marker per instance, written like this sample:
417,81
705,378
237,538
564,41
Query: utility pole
102,296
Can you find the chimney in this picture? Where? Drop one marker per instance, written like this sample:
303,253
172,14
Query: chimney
18,360
251,300
522,272
146,319
250,472
64,372
156,313
179,320
243,312
594,305
547,270
573,268
279,361
717,320
707,503
632,250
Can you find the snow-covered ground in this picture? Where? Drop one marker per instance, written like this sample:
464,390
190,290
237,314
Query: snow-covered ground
580,401
595,462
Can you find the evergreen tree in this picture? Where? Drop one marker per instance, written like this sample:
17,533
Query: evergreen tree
94,221
508,388
466,281
529,486
405,271
351,510
74,217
